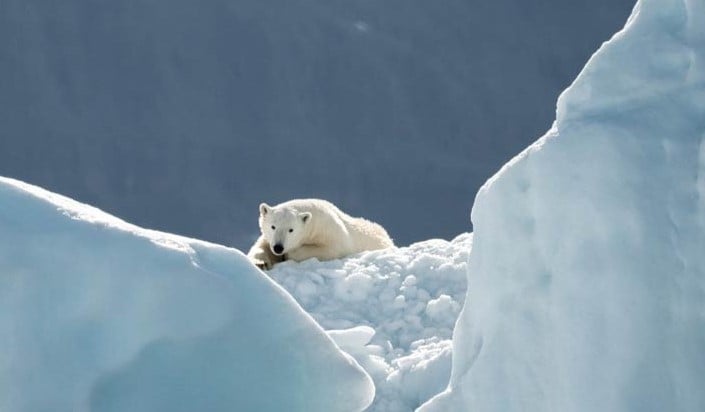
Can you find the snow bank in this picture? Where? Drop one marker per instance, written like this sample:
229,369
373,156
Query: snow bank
587,286
100,315
393,310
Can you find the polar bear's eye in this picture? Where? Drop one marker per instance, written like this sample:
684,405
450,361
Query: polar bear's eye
274,228
291,230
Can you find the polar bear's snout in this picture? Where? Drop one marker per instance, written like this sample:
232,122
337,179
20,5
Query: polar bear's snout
278,249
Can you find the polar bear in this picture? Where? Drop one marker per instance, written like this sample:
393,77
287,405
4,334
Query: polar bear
306,228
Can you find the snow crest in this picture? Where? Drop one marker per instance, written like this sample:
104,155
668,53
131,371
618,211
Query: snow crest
587,270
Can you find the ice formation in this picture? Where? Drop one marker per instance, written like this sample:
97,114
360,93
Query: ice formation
587,274
100,315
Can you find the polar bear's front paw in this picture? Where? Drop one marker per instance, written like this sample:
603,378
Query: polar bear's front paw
261,264
263,260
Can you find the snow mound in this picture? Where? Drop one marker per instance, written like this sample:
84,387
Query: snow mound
100,315
588,267
393,310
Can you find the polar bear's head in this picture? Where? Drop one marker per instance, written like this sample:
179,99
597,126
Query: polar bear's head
284,228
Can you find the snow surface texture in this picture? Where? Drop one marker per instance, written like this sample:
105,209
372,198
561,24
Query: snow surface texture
587,286
162,111
393,310
100,315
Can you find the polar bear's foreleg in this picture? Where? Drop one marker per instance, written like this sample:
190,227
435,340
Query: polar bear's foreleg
261,255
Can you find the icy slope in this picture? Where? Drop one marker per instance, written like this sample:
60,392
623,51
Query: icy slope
587,285
393,310
100,315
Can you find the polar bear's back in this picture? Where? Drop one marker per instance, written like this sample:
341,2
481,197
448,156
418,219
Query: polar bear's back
367,235
313,206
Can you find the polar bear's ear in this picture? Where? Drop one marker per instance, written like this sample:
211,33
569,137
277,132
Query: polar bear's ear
305,216
264,209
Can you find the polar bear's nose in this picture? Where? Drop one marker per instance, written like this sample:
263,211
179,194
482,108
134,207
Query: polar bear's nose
278,249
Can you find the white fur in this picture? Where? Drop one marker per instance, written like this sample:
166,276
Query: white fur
312,228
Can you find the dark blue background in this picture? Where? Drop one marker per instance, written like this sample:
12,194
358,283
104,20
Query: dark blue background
184,115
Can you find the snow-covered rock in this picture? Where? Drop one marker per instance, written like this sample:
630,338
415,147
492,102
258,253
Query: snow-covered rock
393,310
100,315
587,274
